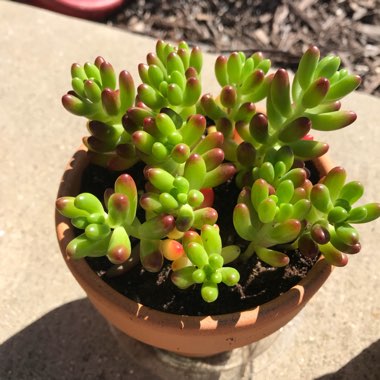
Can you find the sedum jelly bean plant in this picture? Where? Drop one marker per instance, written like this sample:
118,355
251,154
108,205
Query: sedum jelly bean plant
190,143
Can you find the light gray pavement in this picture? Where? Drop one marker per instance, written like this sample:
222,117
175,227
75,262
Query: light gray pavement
48,330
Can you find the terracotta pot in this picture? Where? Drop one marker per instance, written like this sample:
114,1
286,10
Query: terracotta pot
87,9
185,335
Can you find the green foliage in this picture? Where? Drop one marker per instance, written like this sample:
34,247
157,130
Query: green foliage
205,263
104,233
96,97
332,215
271,211
311,101
171,77
191,143
179,196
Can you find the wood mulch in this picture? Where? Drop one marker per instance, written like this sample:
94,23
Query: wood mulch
282,29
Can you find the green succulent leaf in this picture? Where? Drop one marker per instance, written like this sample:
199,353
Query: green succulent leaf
230,276
333,256
195,171
373,212
357,214
343,87
280,92
183,278
331,121
285,191
308,149
267,210
125,184
66,207
337,214
230,253
209,291
206,215
258,128
316,93
196,59
351,192
199,276
119,248
88,202
150,255
97,231
234,68
220,69
259,192
197,254
295,130
307,66
82,246
185,218
327,66
211,239
286,231
118,205
160,179
301,209
320,198
157,227
219,175
272,257
242,222
334,181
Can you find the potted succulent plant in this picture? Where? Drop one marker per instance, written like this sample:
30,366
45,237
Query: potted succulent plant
199,189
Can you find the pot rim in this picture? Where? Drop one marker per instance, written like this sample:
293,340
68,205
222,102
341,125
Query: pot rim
98,290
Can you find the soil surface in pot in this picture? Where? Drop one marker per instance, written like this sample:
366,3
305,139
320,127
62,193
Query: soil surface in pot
259,282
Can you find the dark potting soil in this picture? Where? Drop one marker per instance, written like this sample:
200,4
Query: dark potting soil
259,282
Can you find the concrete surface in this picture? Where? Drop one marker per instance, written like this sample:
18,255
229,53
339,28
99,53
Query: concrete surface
48,330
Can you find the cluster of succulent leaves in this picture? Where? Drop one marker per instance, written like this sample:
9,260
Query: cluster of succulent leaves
192,143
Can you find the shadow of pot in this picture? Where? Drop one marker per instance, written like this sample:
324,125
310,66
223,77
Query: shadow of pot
195,336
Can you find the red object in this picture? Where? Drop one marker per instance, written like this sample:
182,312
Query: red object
209,197
87,9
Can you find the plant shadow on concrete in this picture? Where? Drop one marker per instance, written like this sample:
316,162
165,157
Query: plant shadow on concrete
64,344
